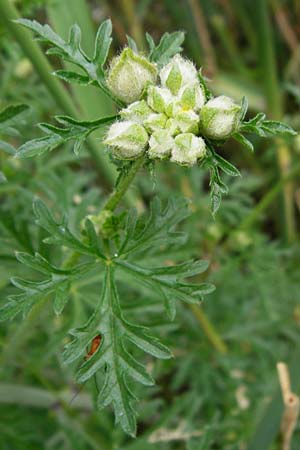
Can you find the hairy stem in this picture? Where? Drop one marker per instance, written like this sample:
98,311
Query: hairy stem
122,187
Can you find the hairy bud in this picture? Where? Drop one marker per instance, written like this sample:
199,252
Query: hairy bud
160,144
128,139
188,149
219,117
136,112
178,73
159,99
129,75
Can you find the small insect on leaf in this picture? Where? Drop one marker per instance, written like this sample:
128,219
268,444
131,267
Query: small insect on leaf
94,346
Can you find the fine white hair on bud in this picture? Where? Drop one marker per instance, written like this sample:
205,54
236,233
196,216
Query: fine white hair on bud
136,112
191,97
188,149
155,122
127,139
129,75
219,117
187,121
159,99
177,73
160,144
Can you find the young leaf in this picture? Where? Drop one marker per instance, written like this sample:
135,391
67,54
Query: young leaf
74,130
72,77
169,45
103,43
244,141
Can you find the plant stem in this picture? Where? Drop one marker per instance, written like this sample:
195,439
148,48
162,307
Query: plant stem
275,107
209,329
268,198
121,188
8,13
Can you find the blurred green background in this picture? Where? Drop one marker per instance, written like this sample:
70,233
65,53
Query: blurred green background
221,391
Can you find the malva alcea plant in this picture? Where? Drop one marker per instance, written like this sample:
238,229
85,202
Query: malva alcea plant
165,112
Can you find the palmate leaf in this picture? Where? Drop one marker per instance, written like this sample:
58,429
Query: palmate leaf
113,359
75,130
168,46
71,51
117,365
157,230
57,283
266,128
168,282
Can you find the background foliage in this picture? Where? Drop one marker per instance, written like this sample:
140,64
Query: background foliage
215,392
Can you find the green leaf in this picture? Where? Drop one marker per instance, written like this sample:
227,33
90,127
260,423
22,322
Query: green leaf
59,232
207,91
244,108
244,141
112,359
103,43
157,230
56,136
2,177
9,113
169,45
275,128
132,44
226,166
61,296
72,52
72,77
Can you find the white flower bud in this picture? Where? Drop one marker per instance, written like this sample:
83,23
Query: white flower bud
159,99
136,112
191,97
219,117
128,139
188,149
187,121
172,127
129,75
160,144
155,122
179,72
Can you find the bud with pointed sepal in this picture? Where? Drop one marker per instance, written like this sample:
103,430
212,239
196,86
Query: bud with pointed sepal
127,139
136,112
177,73
219,117
188,149
160,144
129,75
160,99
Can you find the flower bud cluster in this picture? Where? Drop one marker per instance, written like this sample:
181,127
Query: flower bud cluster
169,119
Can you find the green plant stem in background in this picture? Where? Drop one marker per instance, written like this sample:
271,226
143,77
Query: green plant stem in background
268,198
129,8
209,330
204,37
8,13
275,107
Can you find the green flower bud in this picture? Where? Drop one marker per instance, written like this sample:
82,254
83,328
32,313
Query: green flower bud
129,75
219,117
191,97
136,112
128,139
160,144
159,99
179,72
172,127
187,121
188,149
155,122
